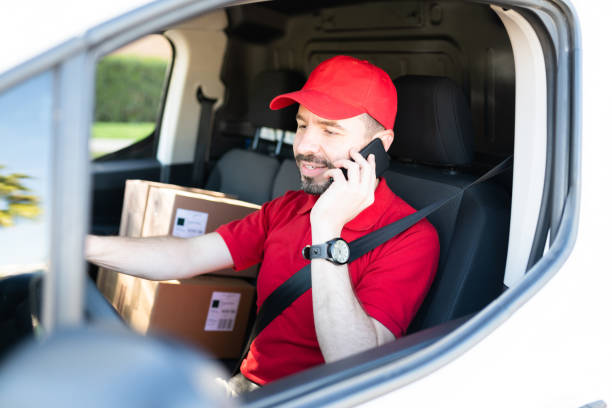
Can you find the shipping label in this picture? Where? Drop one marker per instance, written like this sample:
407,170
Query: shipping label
222,311
189,223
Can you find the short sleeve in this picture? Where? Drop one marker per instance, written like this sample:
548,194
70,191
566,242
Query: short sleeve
397,278
245,238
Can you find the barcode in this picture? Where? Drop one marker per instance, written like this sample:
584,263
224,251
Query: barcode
225,324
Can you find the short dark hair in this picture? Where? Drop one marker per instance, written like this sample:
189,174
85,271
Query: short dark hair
371,124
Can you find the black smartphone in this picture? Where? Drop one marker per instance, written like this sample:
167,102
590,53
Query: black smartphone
376,148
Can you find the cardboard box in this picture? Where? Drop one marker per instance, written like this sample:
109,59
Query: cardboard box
135,200
206,311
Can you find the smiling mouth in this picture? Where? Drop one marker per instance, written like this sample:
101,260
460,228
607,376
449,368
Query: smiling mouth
313,166
311,169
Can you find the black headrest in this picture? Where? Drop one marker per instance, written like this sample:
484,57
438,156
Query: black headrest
266,86
434,123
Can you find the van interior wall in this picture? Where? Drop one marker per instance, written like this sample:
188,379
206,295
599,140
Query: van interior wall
462,41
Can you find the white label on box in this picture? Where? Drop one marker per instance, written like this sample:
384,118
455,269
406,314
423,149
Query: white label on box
189,223
222,311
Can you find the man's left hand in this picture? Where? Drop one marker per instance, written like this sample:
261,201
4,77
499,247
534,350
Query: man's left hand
346,197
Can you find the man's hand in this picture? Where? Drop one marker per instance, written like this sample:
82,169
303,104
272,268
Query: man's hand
345,198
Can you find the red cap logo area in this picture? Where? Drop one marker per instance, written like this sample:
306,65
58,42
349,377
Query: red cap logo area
342,87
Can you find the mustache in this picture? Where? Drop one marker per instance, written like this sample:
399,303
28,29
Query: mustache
314,159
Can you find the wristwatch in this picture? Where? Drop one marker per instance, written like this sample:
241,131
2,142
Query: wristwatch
335,250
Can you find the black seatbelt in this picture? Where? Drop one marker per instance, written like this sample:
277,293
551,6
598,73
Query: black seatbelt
202,152
300,281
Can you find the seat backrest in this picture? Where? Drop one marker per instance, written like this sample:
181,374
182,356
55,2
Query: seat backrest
287,178
434,137
248,174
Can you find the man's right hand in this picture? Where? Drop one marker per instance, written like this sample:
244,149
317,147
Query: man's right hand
159,258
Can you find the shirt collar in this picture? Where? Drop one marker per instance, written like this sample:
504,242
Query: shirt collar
368,217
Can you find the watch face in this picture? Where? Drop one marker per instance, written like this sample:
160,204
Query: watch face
340,251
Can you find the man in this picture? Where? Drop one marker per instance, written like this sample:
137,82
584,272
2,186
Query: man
345,104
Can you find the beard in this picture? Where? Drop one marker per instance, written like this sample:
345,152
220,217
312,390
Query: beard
308,184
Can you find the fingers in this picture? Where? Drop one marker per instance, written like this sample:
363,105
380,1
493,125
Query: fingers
367,166
348,196
336,174
352,168
359,169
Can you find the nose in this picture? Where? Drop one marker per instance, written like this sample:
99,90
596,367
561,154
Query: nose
307,141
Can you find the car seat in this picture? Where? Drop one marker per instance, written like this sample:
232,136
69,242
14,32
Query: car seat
433,141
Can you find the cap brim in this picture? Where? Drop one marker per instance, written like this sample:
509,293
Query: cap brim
318,103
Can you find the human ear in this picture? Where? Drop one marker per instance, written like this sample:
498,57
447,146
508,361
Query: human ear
386,136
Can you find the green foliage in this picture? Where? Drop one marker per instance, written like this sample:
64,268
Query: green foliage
129,88
20,202
118,130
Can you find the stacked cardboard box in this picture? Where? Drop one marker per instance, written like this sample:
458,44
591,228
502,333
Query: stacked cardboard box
208,311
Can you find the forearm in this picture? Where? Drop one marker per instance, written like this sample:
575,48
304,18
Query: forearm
159,258
343,327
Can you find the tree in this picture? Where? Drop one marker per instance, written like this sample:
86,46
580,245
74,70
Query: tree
16,199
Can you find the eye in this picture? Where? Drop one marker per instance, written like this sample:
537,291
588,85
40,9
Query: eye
330,131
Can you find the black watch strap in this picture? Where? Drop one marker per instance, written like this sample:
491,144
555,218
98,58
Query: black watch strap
315,251
324,251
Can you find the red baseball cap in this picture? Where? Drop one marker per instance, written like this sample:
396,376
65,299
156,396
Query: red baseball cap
342,87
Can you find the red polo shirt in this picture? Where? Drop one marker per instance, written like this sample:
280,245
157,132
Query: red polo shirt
390,281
